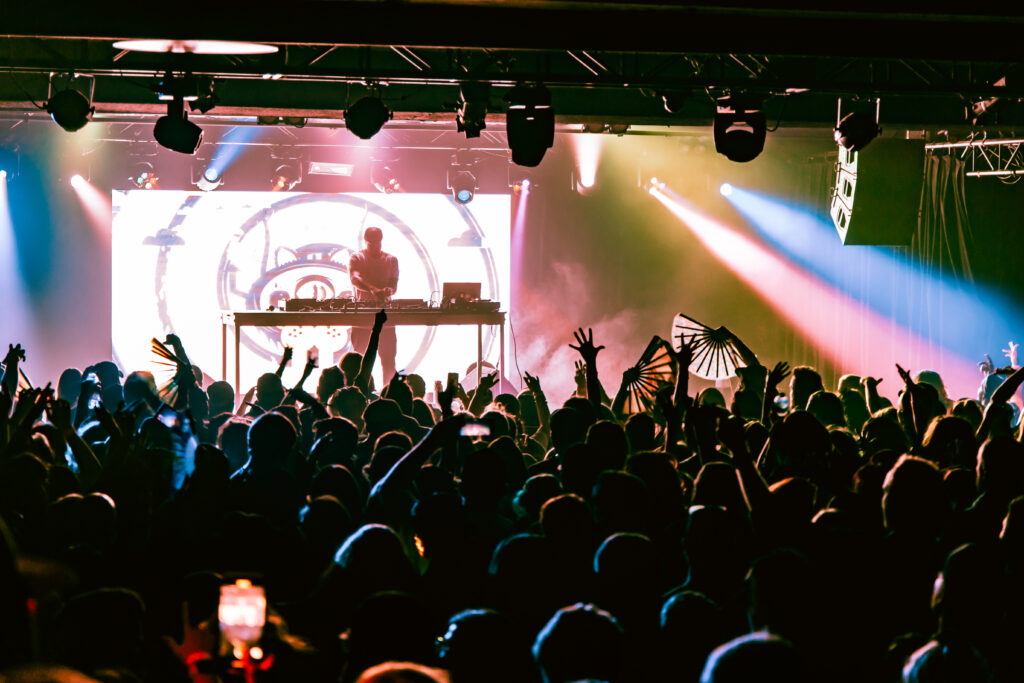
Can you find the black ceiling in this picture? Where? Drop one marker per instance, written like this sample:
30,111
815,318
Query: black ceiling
605,62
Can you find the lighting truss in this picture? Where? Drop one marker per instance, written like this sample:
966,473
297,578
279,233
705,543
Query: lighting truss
1000,158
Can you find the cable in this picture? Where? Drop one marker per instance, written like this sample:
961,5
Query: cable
515,348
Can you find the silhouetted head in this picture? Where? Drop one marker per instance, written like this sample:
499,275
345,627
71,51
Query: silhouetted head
484,645
938,662
403,672
608,440
108,373
568,428
69,386
373,238
640,430
222,397
400,393
849,383
827,407
269,391
382,415
756,656
1000,468
537,490
349,365
139,385
932,379
581,642
914,498
969,410
805,382
270,438
417,385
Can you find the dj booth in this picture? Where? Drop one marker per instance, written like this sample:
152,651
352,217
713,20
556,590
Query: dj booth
364,317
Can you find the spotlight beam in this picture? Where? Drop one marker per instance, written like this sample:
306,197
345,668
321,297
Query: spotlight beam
884,279
854,337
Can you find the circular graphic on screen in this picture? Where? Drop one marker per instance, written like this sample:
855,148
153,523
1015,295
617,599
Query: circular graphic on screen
294,248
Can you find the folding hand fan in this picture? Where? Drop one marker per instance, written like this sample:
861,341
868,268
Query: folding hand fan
655,369
714,354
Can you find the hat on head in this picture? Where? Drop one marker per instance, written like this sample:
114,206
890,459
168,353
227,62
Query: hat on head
373,235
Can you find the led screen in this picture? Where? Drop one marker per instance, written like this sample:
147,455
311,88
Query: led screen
183,259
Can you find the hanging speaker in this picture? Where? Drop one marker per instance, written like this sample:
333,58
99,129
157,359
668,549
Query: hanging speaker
877,195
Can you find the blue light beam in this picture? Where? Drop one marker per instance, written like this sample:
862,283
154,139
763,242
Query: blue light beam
962,316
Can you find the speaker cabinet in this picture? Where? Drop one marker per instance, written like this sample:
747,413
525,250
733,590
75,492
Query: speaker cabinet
877,196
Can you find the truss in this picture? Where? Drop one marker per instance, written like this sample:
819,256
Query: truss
1002,159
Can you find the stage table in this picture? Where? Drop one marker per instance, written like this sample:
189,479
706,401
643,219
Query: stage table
362,318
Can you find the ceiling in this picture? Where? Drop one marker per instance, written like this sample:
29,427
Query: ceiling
604,62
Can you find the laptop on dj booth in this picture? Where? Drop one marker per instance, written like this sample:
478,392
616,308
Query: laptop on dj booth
460,292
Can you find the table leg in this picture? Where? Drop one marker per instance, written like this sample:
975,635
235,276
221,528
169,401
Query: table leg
479,354
238,340
224,350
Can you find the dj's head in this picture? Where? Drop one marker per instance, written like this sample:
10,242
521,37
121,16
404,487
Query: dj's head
373,237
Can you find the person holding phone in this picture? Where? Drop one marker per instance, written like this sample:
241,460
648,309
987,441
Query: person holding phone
374,276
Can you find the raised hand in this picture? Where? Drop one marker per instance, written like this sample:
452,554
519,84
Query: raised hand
907,379
286,357
1011,353
684,356
987,367
488,382
59,412
581,375
585,345
14,354
777,374
445,397
532,383
871,383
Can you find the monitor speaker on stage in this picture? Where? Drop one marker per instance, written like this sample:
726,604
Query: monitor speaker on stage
885,178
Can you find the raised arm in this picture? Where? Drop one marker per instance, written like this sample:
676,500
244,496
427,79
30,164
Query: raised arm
771,390
585,347
1001,395
370,356
541,402
286,358
15,354
745,353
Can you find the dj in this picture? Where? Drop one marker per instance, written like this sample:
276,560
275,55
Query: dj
374,276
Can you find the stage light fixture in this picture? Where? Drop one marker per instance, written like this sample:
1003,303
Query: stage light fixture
175,131
144,176
858,128
673,101
725,189
740,128
471,114
384,178
210,179
592,127
286,176
206,99
618,128
462,180
70,100
77,181
70,109
529,123
366,117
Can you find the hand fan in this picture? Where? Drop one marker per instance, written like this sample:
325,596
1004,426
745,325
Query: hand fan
655,369
714,354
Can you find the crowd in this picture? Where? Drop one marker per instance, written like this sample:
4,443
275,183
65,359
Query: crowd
489,538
